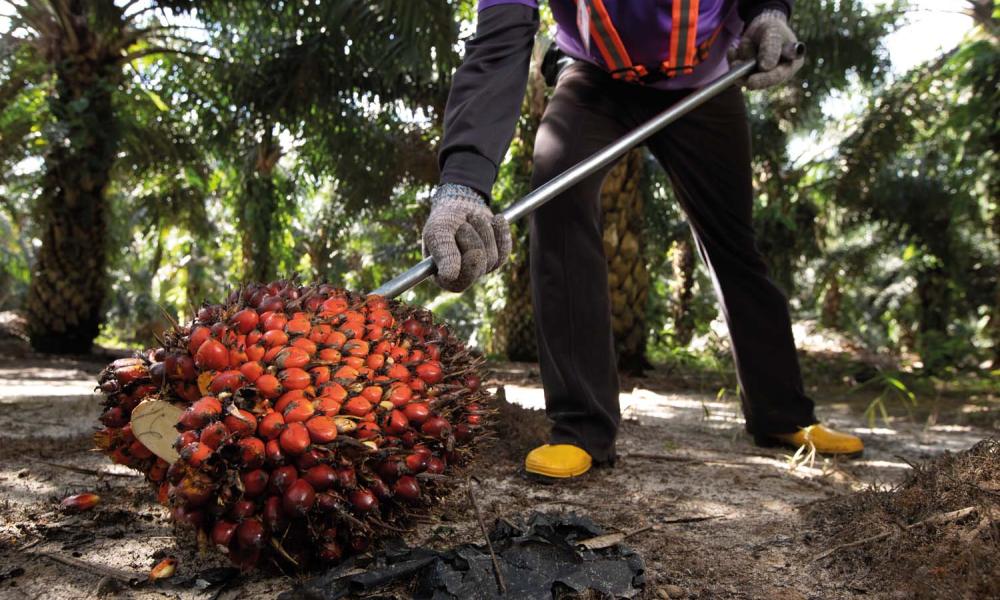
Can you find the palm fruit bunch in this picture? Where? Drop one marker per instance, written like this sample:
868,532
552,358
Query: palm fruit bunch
314,420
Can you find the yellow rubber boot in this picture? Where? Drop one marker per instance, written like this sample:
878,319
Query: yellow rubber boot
826,441
560,461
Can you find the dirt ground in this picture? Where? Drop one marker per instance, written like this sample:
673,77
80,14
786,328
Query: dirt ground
712,515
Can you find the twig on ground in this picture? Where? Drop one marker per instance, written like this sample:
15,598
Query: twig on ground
98,570
86,471
690,519
938,519
610,539
501,584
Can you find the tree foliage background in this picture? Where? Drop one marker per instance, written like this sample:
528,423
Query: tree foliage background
155,153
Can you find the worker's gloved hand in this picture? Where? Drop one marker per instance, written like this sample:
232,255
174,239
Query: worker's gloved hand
764,39
464,236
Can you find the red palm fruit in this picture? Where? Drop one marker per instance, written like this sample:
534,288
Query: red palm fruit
320,375
322,429
120,458
275,455
187,516
380,489
368,430
242,509
472,381
271,425
255,352
363,500
294,439
240,423
327,406
294,379
416,462
413,327
125,362
407,488
290,356
251,452
327,502
309,459
250,534
282,477
212,356
321,477
335,305
222,534
298,498
354,362
319,333
195,489
272,354
473,419
313,304
237,356
398,353
331,551
336,340
274,516
415,356
306,345
127,374
254,482
353,329
268,386
435,465
180,368
334,391
463,432
205,410
391,469
299,411
357,406
114,417
376,302
271,302
275,321
197,338
158,472
400,395
375,361
226,381
245,320
253,337
287,398
359,348
213,435
354,316
163,494
80,502
184,439
158,373
430,372
416,412
375,333
298,326
398,371
396,422
418,385
251,370
329,355
436,427
187,390
274,337
346,478
380,317
372,393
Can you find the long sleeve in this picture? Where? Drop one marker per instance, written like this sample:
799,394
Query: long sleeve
486,95
749,9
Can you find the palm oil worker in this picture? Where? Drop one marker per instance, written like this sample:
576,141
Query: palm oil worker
633,59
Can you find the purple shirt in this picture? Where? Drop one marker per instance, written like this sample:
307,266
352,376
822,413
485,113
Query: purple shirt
647,39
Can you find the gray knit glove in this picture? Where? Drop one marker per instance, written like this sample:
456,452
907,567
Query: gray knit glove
464,236
764,39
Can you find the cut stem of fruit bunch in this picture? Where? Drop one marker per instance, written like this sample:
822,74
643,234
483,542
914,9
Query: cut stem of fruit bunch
296,424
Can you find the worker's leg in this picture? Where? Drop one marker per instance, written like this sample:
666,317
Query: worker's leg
707,154
569,278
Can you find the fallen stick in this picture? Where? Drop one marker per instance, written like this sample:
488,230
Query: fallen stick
932,520
123,576
683,459
501,584
85,471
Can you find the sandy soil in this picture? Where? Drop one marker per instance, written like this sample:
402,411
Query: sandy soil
714,516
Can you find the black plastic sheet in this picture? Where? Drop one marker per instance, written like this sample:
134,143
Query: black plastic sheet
539,561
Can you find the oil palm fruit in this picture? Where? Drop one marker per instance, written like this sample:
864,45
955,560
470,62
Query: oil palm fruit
310,420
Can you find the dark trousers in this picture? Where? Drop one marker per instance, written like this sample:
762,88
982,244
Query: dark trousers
707,156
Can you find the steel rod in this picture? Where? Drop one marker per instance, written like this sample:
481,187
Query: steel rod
583,169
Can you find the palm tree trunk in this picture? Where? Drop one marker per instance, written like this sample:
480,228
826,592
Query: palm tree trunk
258,211
68,280
684,264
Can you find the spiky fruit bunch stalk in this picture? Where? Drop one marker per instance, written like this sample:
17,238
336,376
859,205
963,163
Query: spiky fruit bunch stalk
315,420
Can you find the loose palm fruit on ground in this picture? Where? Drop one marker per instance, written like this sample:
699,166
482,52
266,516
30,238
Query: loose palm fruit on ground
314,421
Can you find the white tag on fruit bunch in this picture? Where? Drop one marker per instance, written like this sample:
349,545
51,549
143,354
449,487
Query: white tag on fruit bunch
583,23
154,424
